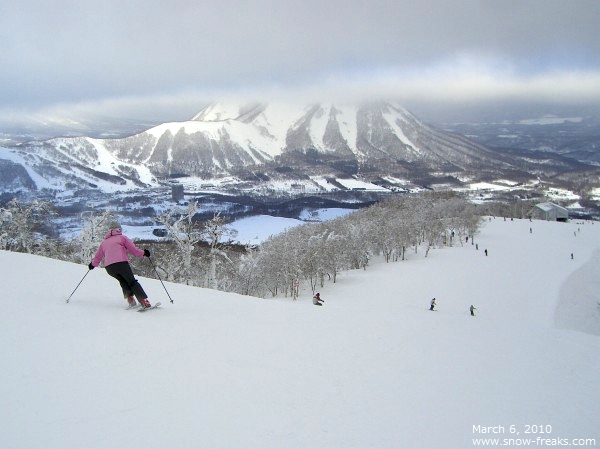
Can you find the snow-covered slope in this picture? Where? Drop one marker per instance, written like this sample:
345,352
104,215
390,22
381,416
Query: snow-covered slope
74,163
372,368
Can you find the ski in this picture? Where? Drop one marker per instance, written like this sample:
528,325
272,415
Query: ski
135,306
155,306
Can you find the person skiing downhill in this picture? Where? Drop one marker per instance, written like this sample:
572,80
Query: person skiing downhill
432,304
113,251
317,301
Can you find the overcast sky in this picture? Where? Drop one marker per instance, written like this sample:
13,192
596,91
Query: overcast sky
152,58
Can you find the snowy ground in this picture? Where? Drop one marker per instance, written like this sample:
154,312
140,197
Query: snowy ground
249,230
372,368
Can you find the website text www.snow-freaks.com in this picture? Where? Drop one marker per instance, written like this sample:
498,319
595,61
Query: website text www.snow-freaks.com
534,435
539,441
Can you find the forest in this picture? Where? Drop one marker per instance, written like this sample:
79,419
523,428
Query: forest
201,252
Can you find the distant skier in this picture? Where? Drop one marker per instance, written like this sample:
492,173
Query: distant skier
114,250
432,304
472,309
317,301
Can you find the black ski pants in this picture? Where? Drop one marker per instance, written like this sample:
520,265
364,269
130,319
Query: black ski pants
122,272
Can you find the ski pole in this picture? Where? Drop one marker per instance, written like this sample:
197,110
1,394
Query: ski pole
159,278
86,273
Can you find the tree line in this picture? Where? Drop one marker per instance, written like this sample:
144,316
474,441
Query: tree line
201,253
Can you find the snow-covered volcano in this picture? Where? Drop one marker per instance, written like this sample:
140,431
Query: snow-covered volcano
377,138
223,137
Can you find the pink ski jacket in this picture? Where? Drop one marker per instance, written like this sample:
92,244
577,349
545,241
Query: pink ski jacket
114,248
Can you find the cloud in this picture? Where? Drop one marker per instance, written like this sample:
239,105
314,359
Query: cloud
69,57
459,83
445,85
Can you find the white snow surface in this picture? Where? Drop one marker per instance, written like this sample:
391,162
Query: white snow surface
372,368
358,184
265,127
267,130
390,118
258,228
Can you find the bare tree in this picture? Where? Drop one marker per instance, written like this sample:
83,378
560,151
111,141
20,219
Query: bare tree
92,232
186,234
214,231
22,225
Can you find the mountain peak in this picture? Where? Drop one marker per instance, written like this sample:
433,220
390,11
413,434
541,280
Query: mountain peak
373,139
217,112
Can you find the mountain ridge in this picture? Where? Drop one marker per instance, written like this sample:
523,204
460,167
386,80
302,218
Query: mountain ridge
225,136
277,139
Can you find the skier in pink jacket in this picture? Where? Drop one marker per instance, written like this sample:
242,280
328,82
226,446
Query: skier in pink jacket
114,250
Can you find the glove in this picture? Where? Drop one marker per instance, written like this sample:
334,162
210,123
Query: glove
90,266
146,253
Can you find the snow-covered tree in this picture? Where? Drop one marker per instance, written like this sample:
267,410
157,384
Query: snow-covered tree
280,259
334,255
214,231
93,229
357,249
185,233
21,225
312,256
247,280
